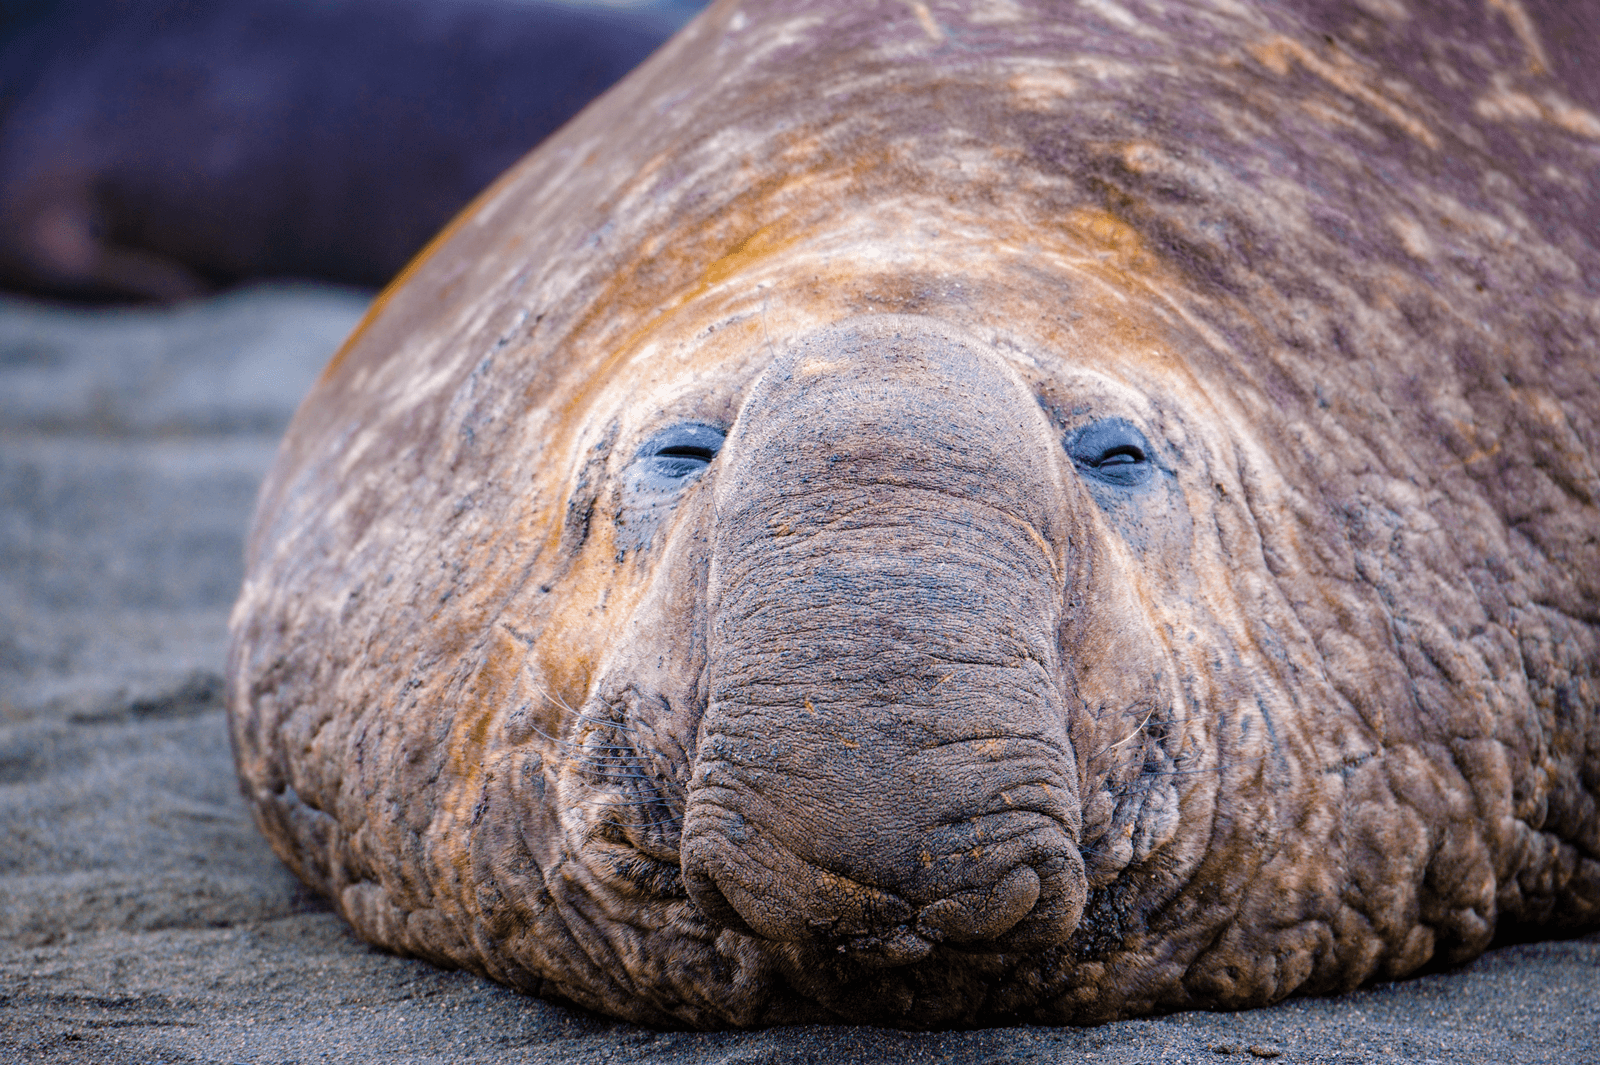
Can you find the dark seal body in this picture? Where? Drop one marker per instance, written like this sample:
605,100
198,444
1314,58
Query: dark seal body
937,514
154,149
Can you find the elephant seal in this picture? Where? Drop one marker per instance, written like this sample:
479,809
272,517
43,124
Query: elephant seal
938,514
158,149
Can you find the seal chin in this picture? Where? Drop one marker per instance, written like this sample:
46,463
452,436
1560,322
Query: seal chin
904,946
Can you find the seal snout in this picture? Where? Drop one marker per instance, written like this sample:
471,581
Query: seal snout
982,915
743,879
883,766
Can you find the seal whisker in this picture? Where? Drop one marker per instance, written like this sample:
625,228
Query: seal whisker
1136,731
564,745
601,723
638,802
1208,769
659,822
557,700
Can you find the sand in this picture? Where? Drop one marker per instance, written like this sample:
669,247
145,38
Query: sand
143,919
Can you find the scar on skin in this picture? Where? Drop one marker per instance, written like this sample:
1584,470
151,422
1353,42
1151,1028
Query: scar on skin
1040,90
994,12
1344,74
1504,103
1413,237
1522,25
926,20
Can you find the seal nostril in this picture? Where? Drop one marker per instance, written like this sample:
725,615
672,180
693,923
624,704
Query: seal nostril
707,894
982,915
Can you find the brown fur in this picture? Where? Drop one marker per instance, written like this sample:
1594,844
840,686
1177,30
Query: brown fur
1324,701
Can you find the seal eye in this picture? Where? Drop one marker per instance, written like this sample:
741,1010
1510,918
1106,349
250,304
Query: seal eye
681,451
1112,451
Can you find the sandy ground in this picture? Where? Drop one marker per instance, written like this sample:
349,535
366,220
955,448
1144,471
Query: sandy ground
142,919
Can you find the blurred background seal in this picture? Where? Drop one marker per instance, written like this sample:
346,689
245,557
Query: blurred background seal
156,149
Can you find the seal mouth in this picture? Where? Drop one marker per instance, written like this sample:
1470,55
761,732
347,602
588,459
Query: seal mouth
1023,890
626,816
970,922
643,830
902,945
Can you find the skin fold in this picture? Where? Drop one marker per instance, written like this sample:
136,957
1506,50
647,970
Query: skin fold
934,514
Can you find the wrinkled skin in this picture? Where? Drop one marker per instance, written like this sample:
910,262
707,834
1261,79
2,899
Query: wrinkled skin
1035,511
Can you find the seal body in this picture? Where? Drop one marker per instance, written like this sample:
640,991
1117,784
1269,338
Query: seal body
933,513
152,150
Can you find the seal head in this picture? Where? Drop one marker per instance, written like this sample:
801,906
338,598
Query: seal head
1049,513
